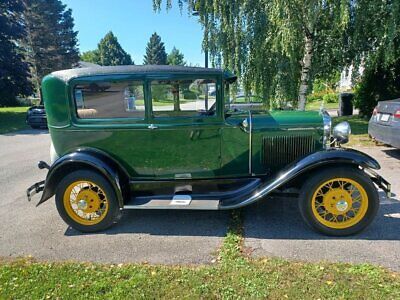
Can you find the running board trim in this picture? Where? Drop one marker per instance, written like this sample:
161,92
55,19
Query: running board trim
177,202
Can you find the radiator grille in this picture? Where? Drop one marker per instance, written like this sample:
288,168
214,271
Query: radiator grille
281,150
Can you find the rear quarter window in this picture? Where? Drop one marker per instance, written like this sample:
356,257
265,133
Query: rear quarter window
109,100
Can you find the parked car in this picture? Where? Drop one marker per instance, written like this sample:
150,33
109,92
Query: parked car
36,117
384,125
173,153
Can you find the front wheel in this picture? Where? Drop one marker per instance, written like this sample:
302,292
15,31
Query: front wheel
339,201
86,201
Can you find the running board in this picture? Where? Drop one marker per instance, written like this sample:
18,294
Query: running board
177,202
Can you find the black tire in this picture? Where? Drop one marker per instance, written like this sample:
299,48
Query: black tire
318,178
113,212
35,126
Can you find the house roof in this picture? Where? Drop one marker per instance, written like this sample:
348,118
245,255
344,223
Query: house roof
69,74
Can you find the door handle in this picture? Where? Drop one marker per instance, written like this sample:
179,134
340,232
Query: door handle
152,126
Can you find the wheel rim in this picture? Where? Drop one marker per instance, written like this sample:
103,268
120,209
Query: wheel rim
85,202
340,203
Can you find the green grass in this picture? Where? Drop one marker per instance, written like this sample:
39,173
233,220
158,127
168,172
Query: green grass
12,119
315,105
233,275
359,130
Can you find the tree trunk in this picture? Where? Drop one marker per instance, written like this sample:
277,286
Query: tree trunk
305,71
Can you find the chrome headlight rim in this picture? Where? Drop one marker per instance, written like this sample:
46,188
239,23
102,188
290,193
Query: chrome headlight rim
341,132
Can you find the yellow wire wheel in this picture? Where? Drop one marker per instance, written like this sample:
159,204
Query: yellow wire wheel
339,203
85,202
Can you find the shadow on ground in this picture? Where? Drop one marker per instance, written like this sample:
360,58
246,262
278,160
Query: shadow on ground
27,132
280,219
275,218
395,153
168,223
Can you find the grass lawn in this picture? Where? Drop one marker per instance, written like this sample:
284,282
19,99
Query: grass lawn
359,130
232,276
12,119
315,105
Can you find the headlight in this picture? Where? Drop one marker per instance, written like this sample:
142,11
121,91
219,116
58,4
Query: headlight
341,132
326,118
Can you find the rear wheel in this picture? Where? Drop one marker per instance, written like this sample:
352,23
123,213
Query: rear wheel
86,201
339,201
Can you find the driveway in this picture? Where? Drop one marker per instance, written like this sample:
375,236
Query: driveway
272,228
275,228
186,237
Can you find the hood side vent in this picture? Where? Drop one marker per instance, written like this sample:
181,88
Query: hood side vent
282,150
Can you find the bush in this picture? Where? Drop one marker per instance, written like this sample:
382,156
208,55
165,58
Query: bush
378,83
189,95
331,98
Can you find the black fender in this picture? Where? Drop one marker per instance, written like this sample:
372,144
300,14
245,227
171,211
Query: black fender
333,156
85,159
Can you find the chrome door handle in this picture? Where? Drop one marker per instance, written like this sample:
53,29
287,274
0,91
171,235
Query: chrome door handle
152,126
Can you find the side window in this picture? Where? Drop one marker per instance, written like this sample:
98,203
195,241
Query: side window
105,100
183,98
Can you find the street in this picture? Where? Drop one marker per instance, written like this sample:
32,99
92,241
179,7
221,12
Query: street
272,228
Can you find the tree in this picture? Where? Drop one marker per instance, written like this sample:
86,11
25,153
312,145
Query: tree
375,45
50,42
110,52
14,72
176,58
92,56
155,51
277,46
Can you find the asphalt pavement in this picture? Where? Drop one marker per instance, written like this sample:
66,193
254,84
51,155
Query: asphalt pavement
272,228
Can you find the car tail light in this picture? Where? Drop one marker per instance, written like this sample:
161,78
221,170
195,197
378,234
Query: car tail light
397,114
375,111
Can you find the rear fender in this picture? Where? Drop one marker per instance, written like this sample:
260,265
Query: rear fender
334,156
85,159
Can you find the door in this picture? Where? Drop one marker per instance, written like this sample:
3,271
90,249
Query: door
185,135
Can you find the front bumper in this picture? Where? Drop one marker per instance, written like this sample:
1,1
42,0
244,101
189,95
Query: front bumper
385,134
380,182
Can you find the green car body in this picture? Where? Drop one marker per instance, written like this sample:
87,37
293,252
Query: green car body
215,158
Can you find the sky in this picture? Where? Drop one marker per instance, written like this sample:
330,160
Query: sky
133,22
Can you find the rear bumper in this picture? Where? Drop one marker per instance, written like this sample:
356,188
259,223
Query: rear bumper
385,134
34,189
37,120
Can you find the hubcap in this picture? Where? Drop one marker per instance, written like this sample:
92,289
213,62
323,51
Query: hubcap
340,203
85,202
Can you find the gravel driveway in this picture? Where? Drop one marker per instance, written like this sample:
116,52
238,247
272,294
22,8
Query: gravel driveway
272,228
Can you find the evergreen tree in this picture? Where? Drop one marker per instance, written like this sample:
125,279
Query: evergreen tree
176,58
69,52
14,72
110,52
50,42
155,51
92,56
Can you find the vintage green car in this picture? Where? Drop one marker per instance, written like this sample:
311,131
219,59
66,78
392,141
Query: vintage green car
165,137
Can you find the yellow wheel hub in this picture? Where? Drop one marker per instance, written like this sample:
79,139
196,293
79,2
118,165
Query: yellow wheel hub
340,203
85,202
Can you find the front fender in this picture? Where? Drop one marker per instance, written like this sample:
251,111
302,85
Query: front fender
80,159
336,156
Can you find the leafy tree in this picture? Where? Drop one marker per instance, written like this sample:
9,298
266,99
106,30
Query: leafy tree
375,45
50,42
110,52
176,58
91,56
14,72
277,46
155,51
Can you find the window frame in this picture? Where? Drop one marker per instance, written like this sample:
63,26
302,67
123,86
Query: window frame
106,121
186,119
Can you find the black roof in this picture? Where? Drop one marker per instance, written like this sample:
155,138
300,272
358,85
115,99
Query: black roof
67,75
